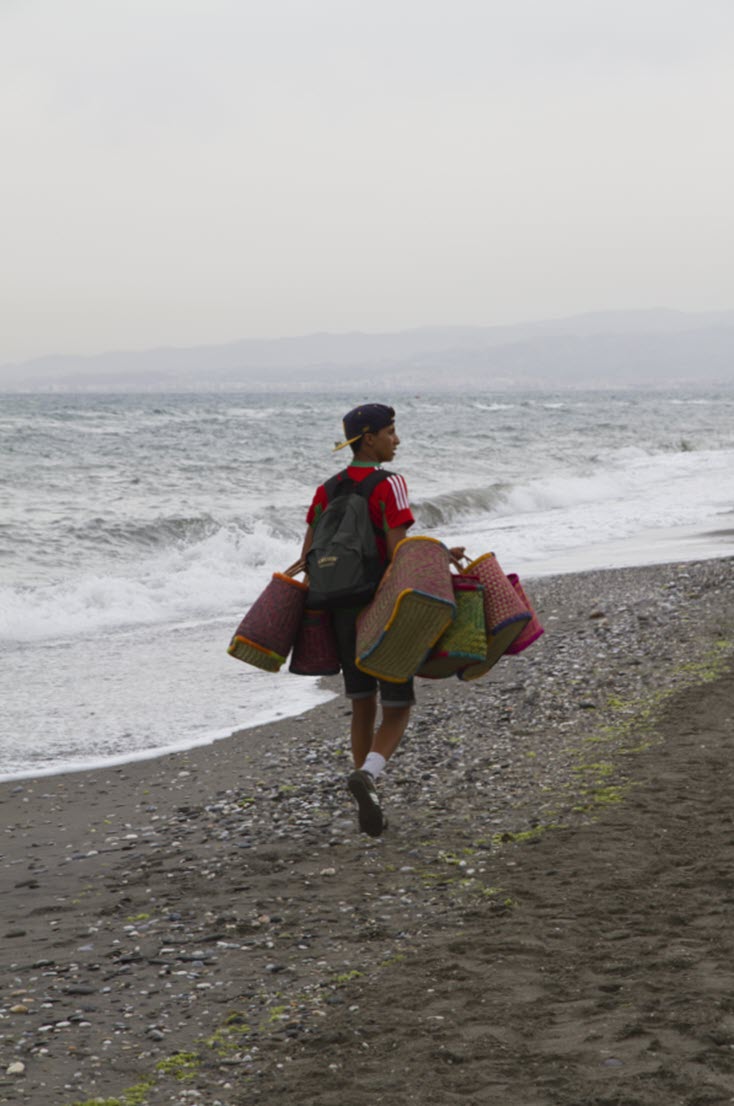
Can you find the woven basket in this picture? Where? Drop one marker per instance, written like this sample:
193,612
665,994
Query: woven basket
505,613
533,630
314,652
412,607
465,639
266,634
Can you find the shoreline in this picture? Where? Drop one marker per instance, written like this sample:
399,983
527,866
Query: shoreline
219,904
550,568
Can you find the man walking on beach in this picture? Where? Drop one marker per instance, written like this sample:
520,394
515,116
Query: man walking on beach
370,431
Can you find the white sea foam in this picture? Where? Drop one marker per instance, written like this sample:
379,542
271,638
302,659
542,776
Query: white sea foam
225,571
560,515
133,694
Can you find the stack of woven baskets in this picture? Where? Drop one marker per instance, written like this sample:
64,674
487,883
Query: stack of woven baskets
279,623
424,620
427,621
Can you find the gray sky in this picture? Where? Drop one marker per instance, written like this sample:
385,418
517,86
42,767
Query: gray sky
197,171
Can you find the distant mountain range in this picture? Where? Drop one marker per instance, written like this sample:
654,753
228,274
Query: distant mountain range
614,349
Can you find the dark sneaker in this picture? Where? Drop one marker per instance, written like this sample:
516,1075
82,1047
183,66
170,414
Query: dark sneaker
362,786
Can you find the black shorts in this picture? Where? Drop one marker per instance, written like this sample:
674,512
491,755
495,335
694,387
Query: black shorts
357,684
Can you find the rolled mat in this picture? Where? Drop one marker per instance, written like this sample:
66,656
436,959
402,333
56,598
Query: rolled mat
266,634
314,651
533,630
505,613
411,609
465,639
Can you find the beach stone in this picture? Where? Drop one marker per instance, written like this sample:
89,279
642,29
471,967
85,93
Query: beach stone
16,1068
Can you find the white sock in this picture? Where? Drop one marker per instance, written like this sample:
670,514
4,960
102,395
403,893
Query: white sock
374,764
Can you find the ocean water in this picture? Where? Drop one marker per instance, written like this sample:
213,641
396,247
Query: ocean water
135,530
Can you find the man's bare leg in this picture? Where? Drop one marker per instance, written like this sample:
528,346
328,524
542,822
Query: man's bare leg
379,750
364,712
387,738
391,729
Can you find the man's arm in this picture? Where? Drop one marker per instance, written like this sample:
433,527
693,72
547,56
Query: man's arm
307,542
393,538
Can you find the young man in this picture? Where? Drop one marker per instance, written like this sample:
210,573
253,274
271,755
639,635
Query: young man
370,431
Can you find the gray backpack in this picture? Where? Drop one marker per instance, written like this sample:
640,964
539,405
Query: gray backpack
343,564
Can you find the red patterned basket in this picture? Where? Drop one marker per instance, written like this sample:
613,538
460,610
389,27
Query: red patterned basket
266,634
465,639
411,609
505,613
533,630
314,651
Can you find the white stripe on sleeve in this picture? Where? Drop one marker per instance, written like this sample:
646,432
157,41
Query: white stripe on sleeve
400,491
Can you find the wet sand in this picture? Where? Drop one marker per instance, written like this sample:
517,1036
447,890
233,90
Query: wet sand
548,919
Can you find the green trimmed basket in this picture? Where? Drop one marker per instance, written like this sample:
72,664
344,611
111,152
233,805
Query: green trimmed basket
465,639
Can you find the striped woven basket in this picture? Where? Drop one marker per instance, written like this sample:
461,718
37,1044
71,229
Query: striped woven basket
411,609
465,639
505,613
314,652
266,634
533,630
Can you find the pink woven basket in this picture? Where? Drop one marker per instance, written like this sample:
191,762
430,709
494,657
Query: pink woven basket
505,613
465,639
266,634
314,652
533,629
411,609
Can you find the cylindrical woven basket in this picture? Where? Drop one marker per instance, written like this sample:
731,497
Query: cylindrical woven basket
412,607
314,652
533,629
504,612
266,634
465,639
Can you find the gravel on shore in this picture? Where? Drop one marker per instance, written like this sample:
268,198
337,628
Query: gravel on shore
174,930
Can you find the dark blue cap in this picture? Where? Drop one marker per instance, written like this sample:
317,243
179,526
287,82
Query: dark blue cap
368,418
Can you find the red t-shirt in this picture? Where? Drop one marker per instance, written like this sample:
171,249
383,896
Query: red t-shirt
388,504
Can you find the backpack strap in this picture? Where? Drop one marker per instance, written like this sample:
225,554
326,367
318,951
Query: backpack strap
367,486
342,483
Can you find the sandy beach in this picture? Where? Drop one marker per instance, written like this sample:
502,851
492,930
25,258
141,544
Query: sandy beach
548,920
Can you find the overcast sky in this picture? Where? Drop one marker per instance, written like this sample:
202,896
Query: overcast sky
197,171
